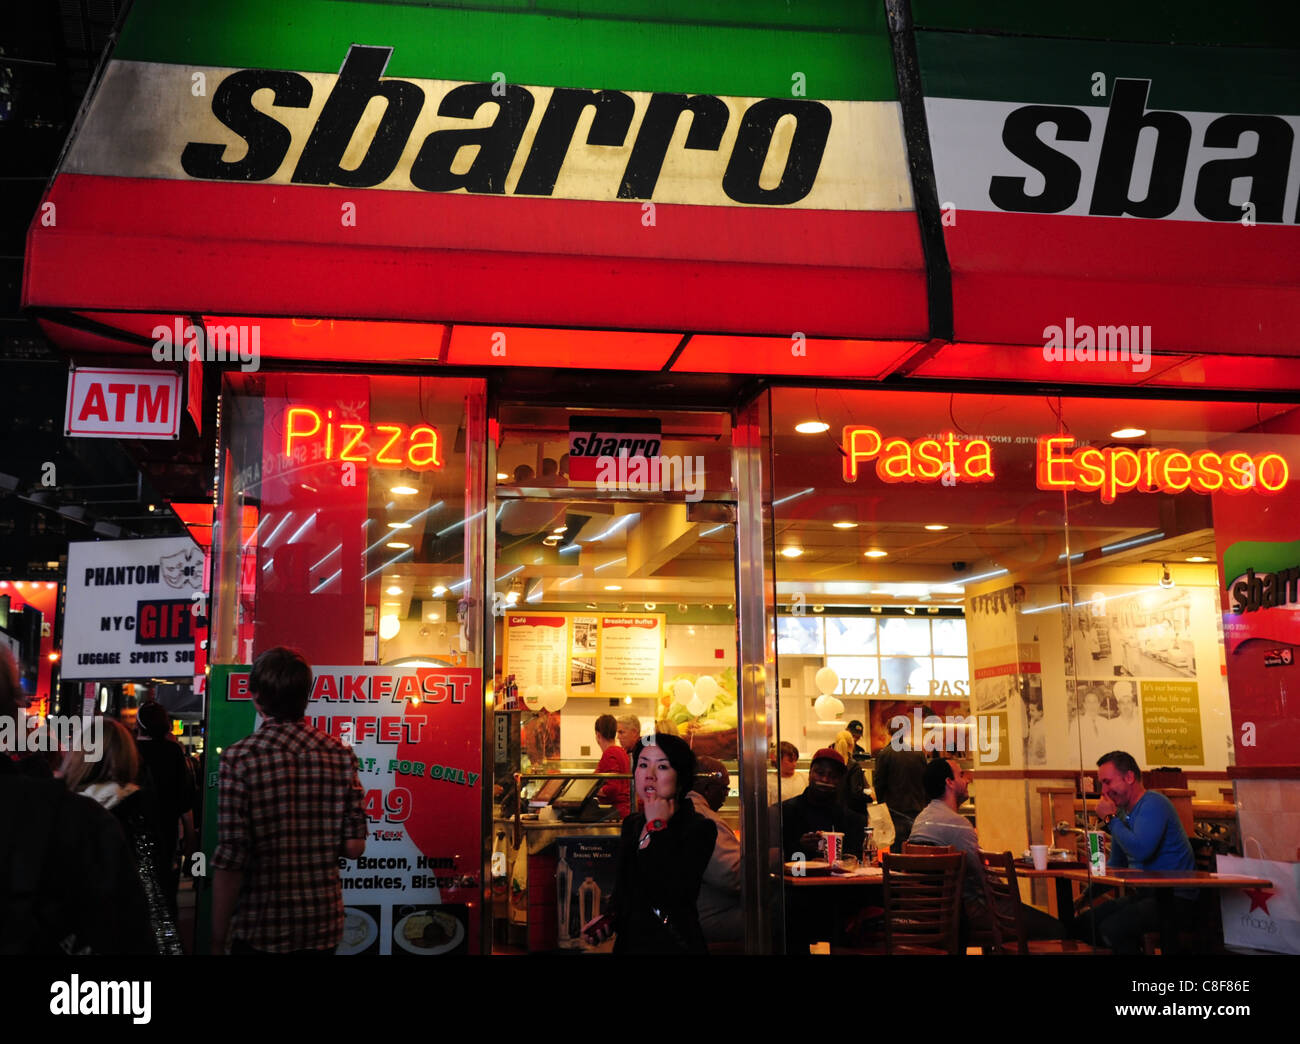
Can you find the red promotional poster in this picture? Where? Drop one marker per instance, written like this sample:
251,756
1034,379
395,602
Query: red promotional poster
1259,572
415,733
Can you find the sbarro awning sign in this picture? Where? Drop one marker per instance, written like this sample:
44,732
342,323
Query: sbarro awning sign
123,404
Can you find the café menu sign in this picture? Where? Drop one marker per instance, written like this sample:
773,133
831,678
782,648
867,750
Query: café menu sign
415,733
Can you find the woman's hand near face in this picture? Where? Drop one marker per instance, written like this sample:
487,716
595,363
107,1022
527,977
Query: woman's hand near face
659,808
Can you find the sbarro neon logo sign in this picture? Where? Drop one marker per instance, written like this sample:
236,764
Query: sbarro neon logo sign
946,458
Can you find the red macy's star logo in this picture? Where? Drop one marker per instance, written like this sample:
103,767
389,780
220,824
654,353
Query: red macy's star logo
1259,898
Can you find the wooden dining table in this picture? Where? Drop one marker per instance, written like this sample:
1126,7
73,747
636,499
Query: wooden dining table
1164,883
864,875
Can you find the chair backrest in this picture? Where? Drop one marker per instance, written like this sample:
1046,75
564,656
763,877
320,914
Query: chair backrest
926,848
923,901
1003,892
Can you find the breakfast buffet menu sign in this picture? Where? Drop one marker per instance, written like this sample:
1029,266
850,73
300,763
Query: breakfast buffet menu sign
415,733
556,655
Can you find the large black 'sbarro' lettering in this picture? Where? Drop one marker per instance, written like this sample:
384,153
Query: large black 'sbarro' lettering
496,143
358,83
609,126
709,118
1125,121
1060,173
808,143
268,139
1266,169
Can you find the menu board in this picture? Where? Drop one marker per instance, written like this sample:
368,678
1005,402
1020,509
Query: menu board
415,732
631,657
591,654
537,652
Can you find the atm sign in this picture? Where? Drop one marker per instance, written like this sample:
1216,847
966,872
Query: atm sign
123,404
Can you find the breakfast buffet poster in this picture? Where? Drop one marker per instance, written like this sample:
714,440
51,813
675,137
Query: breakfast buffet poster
415,733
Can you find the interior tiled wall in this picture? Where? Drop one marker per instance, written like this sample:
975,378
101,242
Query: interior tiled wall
1268,811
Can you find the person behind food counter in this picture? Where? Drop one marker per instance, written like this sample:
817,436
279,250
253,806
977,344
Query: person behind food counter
629,732
721,918
821,808
613,758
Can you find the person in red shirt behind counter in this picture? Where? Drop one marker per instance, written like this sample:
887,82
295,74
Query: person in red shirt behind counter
613,758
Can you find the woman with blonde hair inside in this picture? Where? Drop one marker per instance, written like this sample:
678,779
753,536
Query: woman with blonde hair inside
113,781
854,788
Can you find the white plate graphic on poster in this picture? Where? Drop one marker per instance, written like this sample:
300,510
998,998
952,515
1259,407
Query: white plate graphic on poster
359,932
452,928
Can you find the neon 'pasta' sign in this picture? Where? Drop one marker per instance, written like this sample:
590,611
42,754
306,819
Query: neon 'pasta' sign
945,458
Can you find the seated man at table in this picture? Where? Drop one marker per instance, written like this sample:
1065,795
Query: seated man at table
946,784
1145,834
821,808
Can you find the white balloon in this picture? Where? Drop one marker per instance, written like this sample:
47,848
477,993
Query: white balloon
821,707
707,688
827,681
555,698
532,699
697,706
837,707
683,690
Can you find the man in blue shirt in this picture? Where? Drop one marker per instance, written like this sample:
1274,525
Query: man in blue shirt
1145,834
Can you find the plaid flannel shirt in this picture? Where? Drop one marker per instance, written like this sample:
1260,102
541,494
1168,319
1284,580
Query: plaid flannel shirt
289,797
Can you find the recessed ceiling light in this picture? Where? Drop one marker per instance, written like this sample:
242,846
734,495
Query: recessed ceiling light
439,591
399,525
811,427
613,587
560,529
936,527
393,590
397,545
791,552
433,616
1128,433
395,604
1198,558
502,477
405,491
845,525
875,552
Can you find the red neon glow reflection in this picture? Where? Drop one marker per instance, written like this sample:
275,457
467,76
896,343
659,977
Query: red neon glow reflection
1119,469
398,445
946,458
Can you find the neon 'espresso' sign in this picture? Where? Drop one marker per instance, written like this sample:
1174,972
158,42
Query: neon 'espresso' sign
1109,471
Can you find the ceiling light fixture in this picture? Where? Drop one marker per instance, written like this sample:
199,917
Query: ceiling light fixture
875,552
405,491
936,527
845,525
1198,558
439,590
811,427
399,525
502,477
613,587
1128,433
397,545
393,590
791,552
1166,578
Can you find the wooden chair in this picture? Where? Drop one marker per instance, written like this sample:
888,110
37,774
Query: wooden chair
923,903
1007,934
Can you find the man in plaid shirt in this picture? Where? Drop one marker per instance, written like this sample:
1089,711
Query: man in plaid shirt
289,806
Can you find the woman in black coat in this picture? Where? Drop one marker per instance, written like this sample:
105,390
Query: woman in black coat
663,852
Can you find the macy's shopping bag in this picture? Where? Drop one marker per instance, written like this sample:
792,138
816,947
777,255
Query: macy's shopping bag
1262,918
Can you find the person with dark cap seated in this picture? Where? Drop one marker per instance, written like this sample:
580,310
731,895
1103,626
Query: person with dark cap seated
721,918
821,808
